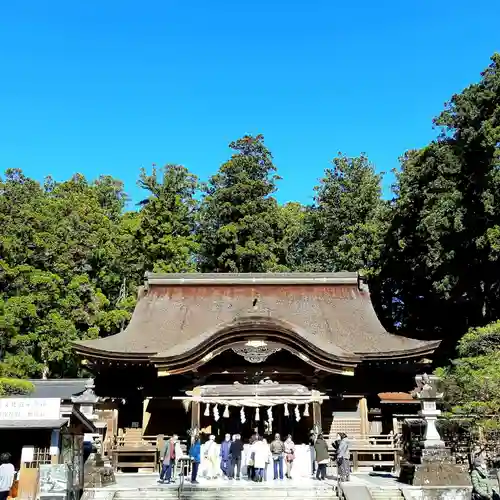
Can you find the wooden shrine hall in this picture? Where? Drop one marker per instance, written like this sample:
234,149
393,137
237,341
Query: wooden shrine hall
230,353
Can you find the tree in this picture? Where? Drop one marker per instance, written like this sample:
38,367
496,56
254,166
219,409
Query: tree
15,387
346,223
291,236
57,273
166,240
472,382
238,214
439,268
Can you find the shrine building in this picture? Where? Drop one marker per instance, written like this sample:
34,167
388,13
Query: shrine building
283,352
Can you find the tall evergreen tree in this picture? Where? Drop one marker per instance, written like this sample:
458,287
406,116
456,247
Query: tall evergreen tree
440,267
238,215
56,266
345,224
166,240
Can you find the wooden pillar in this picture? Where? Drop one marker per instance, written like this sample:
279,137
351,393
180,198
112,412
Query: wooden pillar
195,410
316,407
55,448
363,415
146,415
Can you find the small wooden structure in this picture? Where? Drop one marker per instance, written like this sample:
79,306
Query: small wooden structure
133,450
34,432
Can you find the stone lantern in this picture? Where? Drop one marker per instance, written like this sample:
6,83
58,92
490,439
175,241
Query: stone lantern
429,391
434,466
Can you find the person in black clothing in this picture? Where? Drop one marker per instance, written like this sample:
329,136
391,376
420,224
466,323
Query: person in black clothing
235,452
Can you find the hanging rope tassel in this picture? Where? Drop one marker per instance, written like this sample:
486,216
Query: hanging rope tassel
287,413
207,411
257,414
270,415
297,413
306,410
226,412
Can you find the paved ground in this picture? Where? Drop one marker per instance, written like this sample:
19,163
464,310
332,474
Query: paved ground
148,480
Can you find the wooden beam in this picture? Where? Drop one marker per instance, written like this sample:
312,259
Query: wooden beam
363,413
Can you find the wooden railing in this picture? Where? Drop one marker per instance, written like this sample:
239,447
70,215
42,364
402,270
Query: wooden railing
133,450
373,451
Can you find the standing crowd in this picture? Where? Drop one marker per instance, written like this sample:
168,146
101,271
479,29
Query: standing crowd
226,459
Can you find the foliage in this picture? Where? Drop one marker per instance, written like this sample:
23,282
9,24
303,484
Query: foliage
72,256
472,382
238,214
60,271
166,241
13,386
439,265
344,228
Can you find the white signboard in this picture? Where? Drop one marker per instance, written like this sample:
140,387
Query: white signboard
30,408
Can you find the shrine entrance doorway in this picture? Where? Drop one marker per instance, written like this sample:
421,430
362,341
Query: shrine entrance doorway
269,407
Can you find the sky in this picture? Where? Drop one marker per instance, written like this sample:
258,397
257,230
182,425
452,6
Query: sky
107,87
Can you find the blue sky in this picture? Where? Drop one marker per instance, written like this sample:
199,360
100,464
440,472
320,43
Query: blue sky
105,87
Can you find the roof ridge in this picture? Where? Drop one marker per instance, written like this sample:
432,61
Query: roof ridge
333,278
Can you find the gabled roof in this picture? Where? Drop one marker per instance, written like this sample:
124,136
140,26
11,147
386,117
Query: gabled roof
180,320
62,388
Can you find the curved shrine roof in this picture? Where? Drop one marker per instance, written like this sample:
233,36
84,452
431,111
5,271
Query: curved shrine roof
180,317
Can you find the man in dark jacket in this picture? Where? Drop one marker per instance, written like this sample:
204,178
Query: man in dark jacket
235,452
168,460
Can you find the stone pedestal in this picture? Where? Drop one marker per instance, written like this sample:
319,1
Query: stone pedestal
437,468
97,472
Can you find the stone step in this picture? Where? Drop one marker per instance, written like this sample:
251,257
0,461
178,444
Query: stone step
233,493
386,494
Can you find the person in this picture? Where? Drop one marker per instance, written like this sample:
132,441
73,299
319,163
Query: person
312,441
322,457
343,458
195,455
277,451
251,453
169,457
7,475
261,454
211,456
224,455
289,455
235,453
269,458
481,487
335,446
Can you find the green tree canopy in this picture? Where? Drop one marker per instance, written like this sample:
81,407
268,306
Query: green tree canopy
58,266
166,240
439,268
472,382
346,223
238,214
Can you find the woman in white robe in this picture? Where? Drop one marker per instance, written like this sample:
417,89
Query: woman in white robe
261,458
211,455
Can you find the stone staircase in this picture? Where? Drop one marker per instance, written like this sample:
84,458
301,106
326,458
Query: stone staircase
386,494
235,492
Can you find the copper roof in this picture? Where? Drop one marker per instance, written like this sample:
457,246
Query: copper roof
180,318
